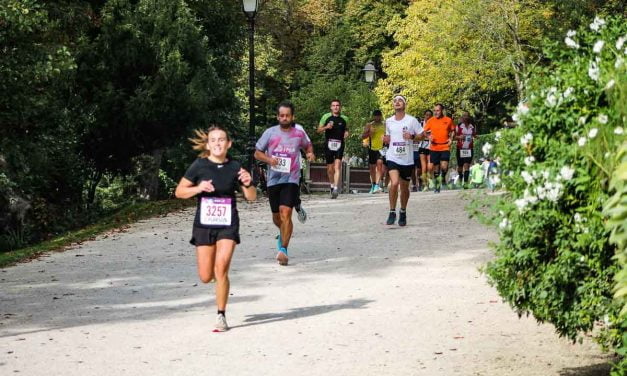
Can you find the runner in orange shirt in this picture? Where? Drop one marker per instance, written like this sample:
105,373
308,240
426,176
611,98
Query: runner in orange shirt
440,130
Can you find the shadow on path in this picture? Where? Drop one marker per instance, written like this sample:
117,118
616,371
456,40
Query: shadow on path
600,369
295,313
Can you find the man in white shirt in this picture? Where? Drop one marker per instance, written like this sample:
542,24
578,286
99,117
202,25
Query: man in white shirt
401,130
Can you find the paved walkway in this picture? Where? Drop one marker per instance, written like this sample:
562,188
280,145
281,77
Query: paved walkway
359,298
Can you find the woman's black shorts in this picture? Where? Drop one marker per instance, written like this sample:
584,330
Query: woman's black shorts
210,236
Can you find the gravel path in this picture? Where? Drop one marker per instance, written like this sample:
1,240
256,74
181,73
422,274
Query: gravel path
359,298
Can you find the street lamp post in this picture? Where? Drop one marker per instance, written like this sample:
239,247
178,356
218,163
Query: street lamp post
370,72
250,9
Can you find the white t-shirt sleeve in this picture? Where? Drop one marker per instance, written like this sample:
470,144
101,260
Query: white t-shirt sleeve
417,127
387,128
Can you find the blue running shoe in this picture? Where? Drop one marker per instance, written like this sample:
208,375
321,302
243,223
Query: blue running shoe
281,256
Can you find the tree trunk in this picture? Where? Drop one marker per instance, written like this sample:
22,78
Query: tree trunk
150,182
94,180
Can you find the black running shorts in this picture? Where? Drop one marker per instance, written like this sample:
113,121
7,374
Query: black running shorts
210,236
286,194
462,161
330,156
374,156
438,156
403,170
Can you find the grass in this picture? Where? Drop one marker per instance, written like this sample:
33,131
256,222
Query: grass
124,216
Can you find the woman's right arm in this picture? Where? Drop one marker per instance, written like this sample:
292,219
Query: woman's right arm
186,189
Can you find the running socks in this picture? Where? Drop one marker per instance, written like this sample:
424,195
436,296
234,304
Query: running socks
223,313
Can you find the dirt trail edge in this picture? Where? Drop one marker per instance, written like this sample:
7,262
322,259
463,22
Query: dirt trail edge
359,298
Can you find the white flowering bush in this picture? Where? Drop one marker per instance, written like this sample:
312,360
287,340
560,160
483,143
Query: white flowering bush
554,259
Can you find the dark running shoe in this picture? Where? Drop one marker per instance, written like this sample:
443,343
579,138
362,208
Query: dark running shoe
391,218
402,219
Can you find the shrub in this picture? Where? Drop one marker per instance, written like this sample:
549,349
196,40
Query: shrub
554,259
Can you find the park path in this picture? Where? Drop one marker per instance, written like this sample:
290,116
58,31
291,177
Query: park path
359,298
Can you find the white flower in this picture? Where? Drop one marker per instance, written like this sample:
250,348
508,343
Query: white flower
620,42
572,33
522,108
610,84
541,191
554,191
521,203
568,92
551,97
504,224
593,132
497,135
606,155
545,174
598,46
487,147
593,71
527,177
567,172
602,118
618,130
529,160
619,62
597,23
571,43
577,217
582,141
526,139
530,199
581,120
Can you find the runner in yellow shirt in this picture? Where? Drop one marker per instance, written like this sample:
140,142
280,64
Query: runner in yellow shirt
374,132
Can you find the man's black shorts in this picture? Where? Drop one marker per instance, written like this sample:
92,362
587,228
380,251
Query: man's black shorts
403,170
438,156
210,236
374,156
330,156
424,151
462,161
287,194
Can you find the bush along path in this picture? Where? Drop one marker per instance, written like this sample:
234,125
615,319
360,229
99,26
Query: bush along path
554,259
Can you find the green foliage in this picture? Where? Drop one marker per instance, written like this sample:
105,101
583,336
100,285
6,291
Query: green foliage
447,53
357,103
616,211
150,75
554,259
97,88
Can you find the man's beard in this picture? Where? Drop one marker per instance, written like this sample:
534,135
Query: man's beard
286,125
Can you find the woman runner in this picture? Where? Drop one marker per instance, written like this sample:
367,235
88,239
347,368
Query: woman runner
213,178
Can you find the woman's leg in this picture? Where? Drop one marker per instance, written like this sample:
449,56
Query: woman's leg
224,253
205,258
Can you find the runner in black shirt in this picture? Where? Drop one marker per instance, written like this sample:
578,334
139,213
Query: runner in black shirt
335,128
214,178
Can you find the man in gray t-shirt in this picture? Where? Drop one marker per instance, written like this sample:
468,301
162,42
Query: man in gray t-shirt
279,147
